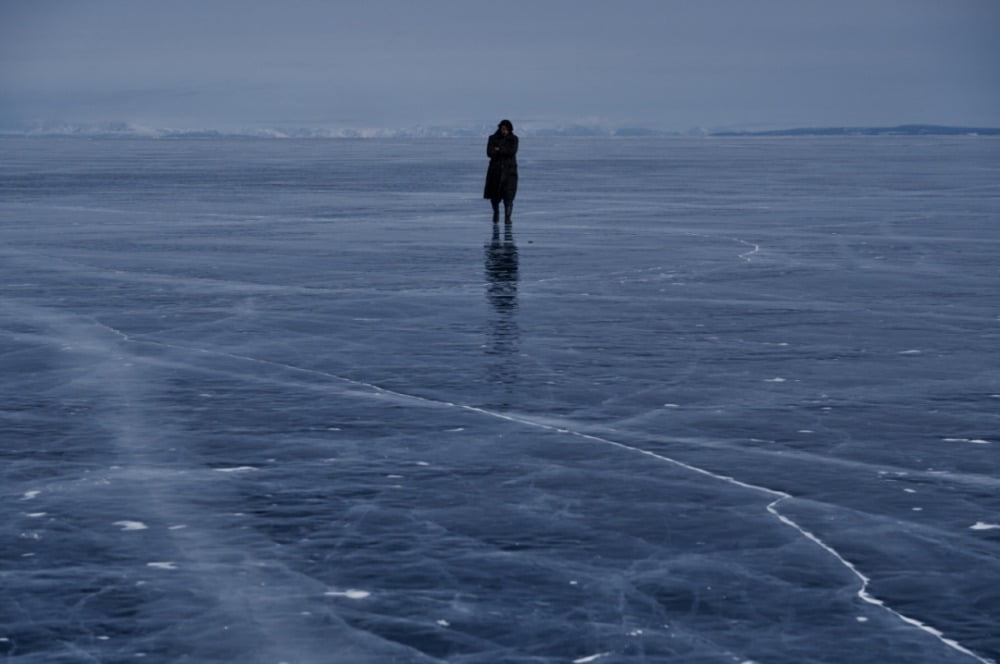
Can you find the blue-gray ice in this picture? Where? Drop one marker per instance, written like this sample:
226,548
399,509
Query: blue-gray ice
714,401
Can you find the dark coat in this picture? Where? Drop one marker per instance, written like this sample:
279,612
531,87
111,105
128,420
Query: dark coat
501,176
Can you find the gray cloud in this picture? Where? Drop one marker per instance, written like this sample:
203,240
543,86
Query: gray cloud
668,64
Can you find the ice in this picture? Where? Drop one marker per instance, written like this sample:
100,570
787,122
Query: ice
714,400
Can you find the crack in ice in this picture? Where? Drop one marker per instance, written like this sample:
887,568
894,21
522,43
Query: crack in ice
744,256
772,508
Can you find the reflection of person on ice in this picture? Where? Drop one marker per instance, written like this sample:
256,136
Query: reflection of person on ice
501,177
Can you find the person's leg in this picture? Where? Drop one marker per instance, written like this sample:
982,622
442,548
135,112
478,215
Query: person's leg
496,209
509,192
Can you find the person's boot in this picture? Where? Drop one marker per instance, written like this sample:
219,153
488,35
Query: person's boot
496,211
507,209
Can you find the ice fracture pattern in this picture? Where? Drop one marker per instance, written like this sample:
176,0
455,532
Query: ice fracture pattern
706,401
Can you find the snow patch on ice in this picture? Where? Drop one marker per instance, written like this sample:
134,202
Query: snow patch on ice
131,525
981,525
350,593
974,441
166,564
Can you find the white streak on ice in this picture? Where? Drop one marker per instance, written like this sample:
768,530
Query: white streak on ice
591,658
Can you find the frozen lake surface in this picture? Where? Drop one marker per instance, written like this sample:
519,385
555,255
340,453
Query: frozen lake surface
709,401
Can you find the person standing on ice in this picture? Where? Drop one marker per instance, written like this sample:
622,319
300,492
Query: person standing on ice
501,176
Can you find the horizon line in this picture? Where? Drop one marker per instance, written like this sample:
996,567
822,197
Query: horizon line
573,130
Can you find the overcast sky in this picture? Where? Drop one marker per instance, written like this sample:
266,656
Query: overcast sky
664,64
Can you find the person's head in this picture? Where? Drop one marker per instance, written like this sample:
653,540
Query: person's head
505,127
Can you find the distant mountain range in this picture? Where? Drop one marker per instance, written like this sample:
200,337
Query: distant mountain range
901,130
126,130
